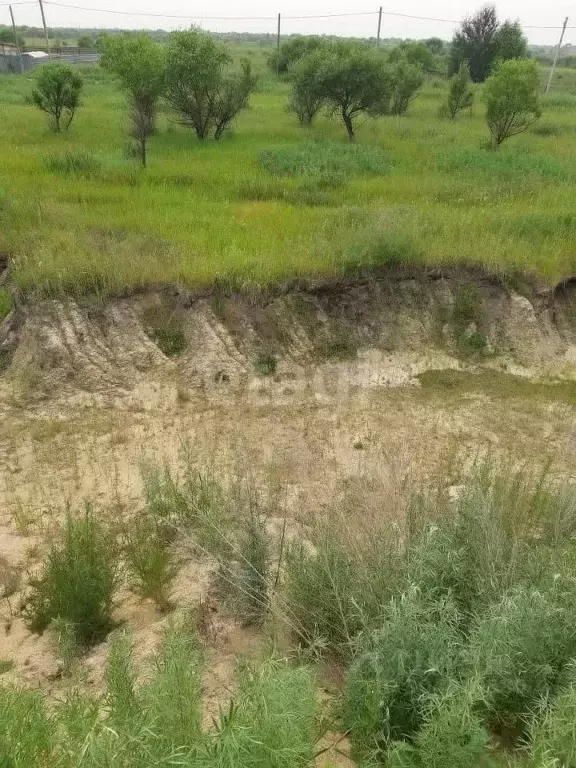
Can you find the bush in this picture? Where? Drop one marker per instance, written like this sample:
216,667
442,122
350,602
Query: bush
200,89
307,97
460,95
139,64
415,653
507,527
511,96
336,585
452,736
25,732
78,580
277,714
149,559
57,93
292,51
521,648
552,737
405,80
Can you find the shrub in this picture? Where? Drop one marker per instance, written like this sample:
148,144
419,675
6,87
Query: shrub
78,580
25,732
57,93
520,650
307,97
149,559
415,653
275,720
292,51
507,527
552,737
336,584
405,79
511,96
460,95
82,164
452,735
352,80
200,90
139,64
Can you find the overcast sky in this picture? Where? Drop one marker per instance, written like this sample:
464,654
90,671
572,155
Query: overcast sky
529,13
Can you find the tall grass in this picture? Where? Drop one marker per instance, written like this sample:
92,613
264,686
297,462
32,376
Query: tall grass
272,720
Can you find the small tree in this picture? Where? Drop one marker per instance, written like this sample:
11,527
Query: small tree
138,62
511,96
460,95
199,88
353,80
292,51
511,42
86,42
307,97
476,42
57,93
405,79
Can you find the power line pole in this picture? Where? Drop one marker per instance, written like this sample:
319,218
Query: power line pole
379,27
278,48
16,43
556,54
48,51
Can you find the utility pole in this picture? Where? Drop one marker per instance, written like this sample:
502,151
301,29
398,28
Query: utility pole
379,27
18,51
48,51
278,48
556,54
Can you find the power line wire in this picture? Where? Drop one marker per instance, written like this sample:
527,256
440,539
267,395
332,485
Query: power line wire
257,18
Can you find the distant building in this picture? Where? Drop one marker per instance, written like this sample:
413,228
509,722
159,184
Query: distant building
10,58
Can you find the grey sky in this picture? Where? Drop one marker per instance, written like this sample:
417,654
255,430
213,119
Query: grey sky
542,14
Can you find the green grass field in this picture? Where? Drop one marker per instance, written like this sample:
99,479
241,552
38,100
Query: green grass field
421,189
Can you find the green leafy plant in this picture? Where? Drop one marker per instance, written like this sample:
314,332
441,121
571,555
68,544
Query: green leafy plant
415,653
511,96
521,649
460,95
57,93
138,62
149,559
199,87
78,580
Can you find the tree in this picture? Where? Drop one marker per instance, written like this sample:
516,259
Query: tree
460,95
292,51
138,62
415,53
86,42
477,43
353,80
405,78
307,95
511,96
199,87
511,42
7,36
435,44
57,93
